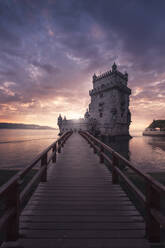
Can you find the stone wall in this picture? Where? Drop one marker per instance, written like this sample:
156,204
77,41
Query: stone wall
73,125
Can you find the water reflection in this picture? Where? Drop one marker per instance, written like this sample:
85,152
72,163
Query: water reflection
157,142
121,145
19,147
147,153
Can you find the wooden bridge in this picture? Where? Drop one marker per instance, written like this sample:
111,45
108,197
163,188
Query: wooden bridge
79,202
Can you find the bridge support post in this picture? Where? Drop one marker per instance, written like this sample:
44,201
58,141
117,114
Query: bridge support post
63,141
44,163
13,222
54,155
115,177
91,143
152,203
94,147
59,146
101,155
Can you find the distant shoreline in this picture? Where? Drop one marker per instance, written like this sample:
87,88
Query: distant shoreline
29,128
4,125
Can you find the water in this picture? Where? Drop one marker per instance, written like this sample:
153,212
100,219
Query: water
18,147
148,153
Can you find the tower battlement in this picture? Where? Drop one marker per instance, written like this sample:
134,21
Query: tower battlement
108,86
110,74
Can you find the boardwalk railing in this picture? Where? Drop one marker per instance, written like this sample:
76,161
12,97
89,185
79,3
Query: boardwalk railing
151,200
10,191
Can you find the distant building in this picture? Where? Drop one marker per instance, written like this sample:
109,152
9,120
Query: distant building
73,124
108,112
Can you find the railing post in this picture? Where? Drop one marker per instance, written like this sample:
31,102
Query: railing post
115,177
87,139
12,201
90,142
54,151
62,141
101,155
94,147
59,146
44,163
152,202
66,137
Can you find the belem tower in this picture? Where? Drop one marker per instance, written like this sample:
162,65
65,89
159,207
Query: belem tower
108,113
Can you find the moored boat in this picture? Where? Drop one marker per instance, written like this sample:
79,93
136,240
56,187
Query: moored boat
156,128
154,133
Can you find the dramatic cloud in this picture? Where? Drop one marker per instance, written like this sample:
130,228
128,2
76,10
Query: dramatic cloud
50,50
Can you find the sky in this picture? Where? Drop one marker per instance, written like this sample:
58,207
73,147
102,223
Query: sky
49,51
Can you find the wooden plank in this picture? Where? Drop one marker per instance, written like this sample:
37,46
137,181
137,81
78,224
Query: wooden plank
67,177
82,202
82,226
78,192
91,181
79,197
82,219
97,234
71,207
74,195
79,181
81,243
81,205
83,212
82,188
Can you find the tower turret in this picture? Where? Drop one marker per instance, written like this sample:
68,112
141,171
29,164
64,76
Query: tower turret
126,76
94,77
59,122
114,67
86,116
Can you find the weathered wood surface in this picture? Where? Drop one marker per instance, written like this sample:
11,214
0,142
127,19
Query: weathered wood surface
80,207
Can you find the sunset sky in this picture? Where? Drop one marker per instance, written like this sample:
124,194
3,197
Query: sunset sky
50,49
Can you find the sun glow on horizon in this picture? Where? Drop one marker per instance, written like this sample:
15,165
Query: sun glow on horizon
73,115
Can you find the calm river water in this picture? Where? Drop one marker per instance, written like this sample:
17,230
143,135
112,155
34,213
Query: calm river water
18,147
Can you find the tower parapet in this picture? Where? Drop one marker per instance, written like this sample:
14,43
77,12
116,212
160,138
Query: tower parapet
110,76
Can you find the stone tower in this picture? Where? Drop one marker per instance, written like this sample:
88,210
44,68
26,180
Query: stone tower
109,105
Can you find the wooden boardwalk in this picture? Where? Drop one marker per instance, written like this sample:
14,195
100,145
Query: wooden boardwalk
80,207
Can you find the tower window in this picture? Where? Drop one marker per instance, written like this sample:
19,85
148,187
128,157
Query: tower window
101,114
101,104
